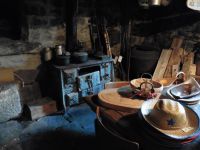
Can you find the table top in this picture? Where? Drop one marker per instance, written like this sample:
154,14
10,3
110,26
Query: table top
128,124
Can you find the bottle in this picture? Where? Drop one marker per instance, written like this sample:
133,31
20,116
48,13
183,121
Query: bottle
47,54
59,50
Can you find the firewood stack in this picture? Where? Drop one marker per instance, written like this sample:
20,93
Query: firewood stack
174,60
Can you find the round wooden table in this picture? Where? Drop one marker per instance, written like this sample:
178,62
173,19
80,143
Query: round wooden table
129,126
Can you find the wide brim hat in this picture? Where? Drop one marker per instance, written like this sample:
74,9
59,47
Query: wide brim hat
179,133
189,101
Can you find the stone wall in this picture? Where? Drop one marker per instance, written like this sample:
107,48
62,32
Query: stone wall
153,26
41,24
44,22
164,39
18,54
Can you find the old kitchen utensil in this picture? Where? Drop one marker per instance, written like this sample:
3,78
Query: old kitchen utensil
136,83
47,54
63,60
146,90
80,57
59,50
186,89
169,82
144,3
193,4
165,2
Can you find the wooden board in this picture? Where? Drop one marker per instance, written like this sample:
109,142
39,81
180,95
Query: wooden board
175,59
119,99
22,61
177,43
27,76
188,61
198,69
6,75
162,64
193,69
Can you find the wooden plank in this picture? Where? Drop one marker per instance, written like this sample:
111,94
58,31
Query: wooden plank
198,69
175,59
22,61
162,64
177,43
175,70
27,76
187,64
193,68
6,75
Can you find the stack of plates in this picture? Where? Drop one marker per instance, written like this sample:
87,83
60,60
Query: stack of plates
153,134
188,92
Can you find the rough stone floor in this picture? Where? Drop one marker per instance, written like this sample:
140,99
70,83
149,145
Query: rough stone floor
73,131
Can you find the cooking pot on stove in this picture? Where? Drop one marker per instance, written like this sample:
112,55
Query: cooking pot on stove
63,60
80,57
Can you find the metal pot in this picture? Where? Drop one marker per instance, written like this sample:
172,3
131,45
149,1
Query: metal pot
144,3
63,60
80,57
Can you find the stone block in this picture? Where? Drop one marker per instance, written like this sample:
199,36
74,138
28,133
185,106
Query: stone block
42,107
9,133
10,101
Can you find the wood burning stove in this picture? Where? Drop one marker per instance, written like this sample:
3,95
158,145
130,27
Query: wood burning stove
69,84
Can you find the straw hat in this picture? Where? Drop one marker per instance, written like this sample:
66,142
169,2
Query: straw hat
170,118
